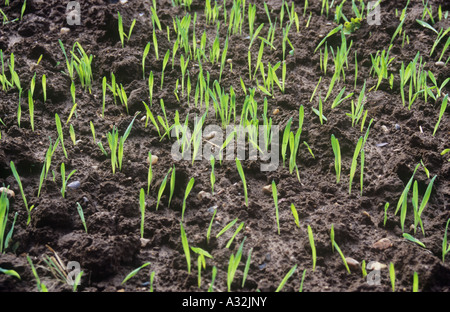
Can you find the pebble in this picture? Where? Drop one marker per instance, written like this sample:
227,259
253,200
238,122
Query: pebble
267,189
374,265
229,61
64,30
382,244
352,263
154,159
209,136
9,193
397,127
202,194
144,242
74,185
382,144
262,266
212,209
439,64
276,111
385,129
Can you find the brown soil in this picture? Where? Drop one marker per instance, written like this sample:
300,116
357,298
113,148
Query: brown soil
112,247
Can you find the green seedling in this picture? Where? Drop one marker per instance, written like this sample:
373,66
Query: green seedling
392,276
72,111
413,239
10,272
60,134
230,241
185,243
81,214
208,233
302,280
144,56
242,175
247,267
445,246
201,262
295,214
285,279
415,287
337,157
402,202
212,176
354,162
172,186
40,286
150,172
342,256
72,135
313,247
142,209
19,182
64,180
441,113
31,109
213,279
134,272
275,200
4,210
386,206
332,237
186,194
226,228
161,188
165,61
122,34
233,265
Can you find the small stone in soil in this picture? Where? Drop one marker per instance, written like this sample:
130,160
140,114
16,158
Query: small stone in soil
74,185
439,64
374,265
382,244
64,30
262,266
276,111
397,127
352,263
385,129
267,189
9,193
154,159
202,194
382,144
212,209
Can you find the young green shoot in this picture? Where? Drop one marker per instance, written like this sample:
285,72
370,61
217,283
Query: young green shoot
161,188
142,209
60,134
342,256
134,272
81,214
445,245
285,279
19,182
186,194
337,157
313,247
64,180
185,243
275,200
392,276
295,214
242,175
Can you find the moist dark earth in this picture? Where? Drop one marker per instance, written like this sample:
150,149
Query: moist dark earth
112,246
